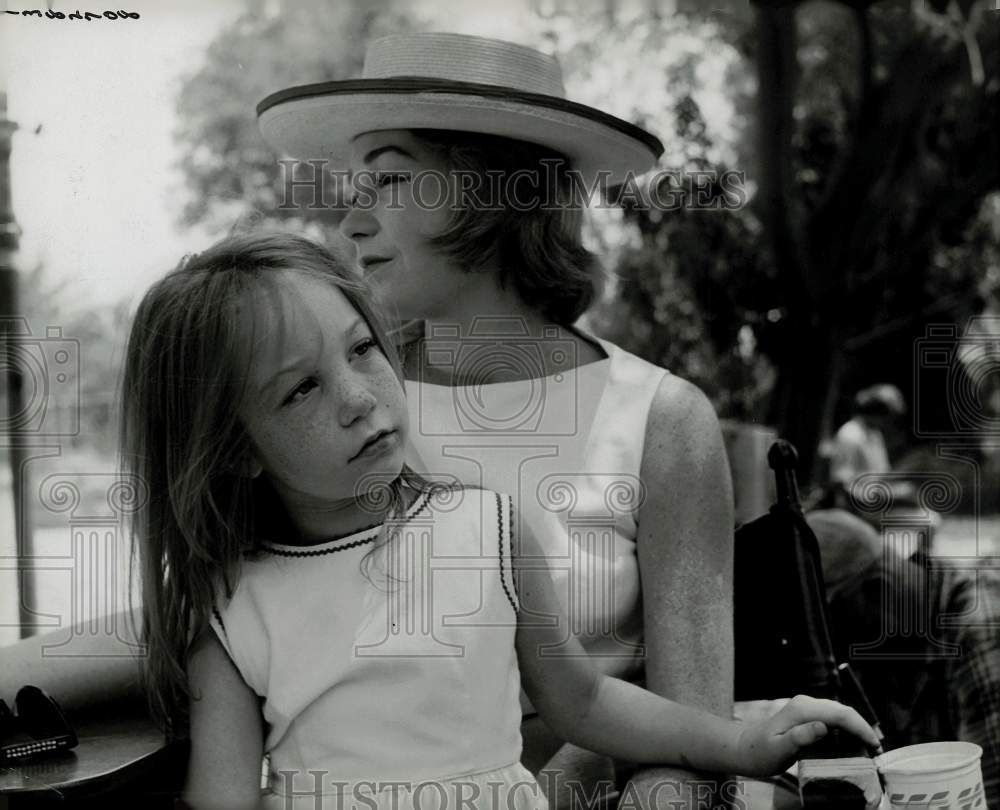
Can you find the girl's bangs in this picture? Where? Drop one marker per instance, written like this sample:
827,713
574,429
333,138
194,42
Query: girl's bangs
259,318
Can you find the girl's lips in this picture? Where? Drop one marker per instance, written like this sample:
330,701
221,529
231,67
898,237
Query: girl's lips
385,443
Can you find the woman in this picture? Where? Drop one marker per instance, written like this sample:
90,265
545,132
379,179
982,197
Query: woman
462,152
619,464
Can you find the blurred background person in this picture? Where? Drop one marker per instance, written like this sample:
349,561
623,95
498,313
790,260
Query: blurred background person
923,639
859,445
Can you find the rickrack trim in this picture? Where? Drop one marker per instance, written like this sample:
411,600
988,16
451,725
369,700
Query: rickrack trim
319,552
500,531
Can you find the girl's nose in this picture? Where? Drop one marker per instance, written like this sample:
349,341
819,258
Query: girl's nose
358,401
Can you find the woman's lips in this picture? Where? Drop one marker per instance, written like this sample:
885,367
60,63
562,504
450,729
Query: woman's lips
371,265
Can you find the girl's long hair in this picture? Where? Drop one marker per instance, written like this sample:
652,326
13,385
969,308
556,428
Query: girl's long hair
186,371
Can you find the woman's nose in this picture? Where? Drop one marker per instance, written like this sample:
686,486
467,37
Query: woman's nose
358,223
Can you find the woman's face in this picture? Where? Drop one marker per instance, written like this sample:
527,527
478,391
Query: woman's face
401,200
325,407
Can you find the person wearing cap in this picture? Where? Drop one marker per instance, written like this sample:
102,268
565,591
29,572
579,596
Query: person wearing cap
859,445
923,639
618,465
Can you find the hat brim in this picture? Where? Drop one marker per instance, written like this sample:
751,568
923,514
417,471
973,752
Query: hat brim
320,121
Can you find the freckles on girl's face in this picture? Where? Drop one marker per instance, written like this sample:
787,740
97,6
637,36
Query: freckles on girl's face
403,199
324,407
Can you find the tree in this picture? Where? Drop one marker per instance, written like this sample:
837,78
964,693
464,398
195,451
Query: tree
229,171
874,157
909,157
693,286
682,296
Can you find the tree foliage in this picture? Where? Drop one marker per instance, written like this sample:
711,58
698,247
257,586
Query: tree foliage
228,169
900,175
871,162
684,293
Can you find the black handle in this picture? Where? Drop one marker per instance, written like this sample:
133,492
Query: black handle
783,459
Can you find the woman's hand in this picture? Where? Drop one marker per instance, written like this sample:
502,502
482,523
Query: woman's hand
752,711
769,746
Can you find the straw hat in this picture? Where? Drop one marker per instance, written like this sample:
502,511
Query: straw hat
455,82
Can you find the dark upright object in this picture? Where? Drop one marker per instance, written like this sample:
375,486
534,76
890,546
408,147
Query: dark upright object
783,645
10,435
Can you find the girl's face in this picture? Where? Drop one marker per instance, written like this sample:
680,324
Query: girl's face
402,198
324,406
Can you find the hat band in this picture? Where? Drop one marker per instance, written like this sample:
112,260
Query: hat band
413,85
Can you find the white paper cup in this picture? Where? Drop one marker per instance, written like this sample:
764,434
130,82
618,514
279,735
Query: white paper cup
935,776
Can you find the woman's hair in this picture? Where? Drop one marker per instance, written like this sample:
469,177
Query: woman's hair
186,377
523,212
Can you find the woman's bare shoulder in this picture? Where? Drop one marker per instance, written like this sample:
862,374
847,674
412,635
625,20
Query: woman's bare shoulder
684,467
681,418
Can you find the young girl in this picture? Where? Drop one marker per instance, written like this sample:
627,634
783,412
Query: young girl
308,598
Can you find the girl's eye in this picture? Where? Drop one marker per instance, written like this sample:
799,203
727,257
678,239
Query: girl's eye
300,390
386,178
365,347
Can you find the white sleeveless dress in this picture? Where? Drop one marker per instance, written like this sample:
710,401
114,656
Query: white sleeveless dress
568,448
390,682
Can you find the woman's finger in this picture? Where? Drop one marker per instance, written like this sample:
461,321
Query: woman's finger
802,709
807,733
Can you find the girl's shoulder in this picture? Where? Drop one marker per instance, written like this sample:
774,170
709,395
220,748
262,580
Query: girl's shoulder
461,521
447,496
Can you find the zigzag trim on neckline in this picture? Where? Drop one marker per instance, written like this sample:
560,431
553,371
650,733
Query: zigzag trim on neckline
418,506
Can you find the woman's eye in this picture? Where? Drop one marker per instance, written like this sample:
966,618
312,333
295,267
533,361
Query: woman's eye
299,391
365,347
383,179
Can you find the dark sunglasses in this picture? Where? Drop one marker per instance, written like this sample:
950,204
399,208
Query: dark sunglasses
38,728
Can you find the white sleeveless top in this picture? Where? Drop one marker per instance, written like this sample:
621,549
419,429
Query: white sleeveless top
407,673
568,448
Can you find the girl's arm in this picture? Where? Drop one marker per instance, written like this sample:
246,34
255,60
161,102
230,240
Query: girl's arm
227,732
622,720
685,551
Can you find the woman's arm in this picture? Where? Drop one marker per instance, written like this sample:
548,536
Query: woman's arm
227,732
620,719
685,550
